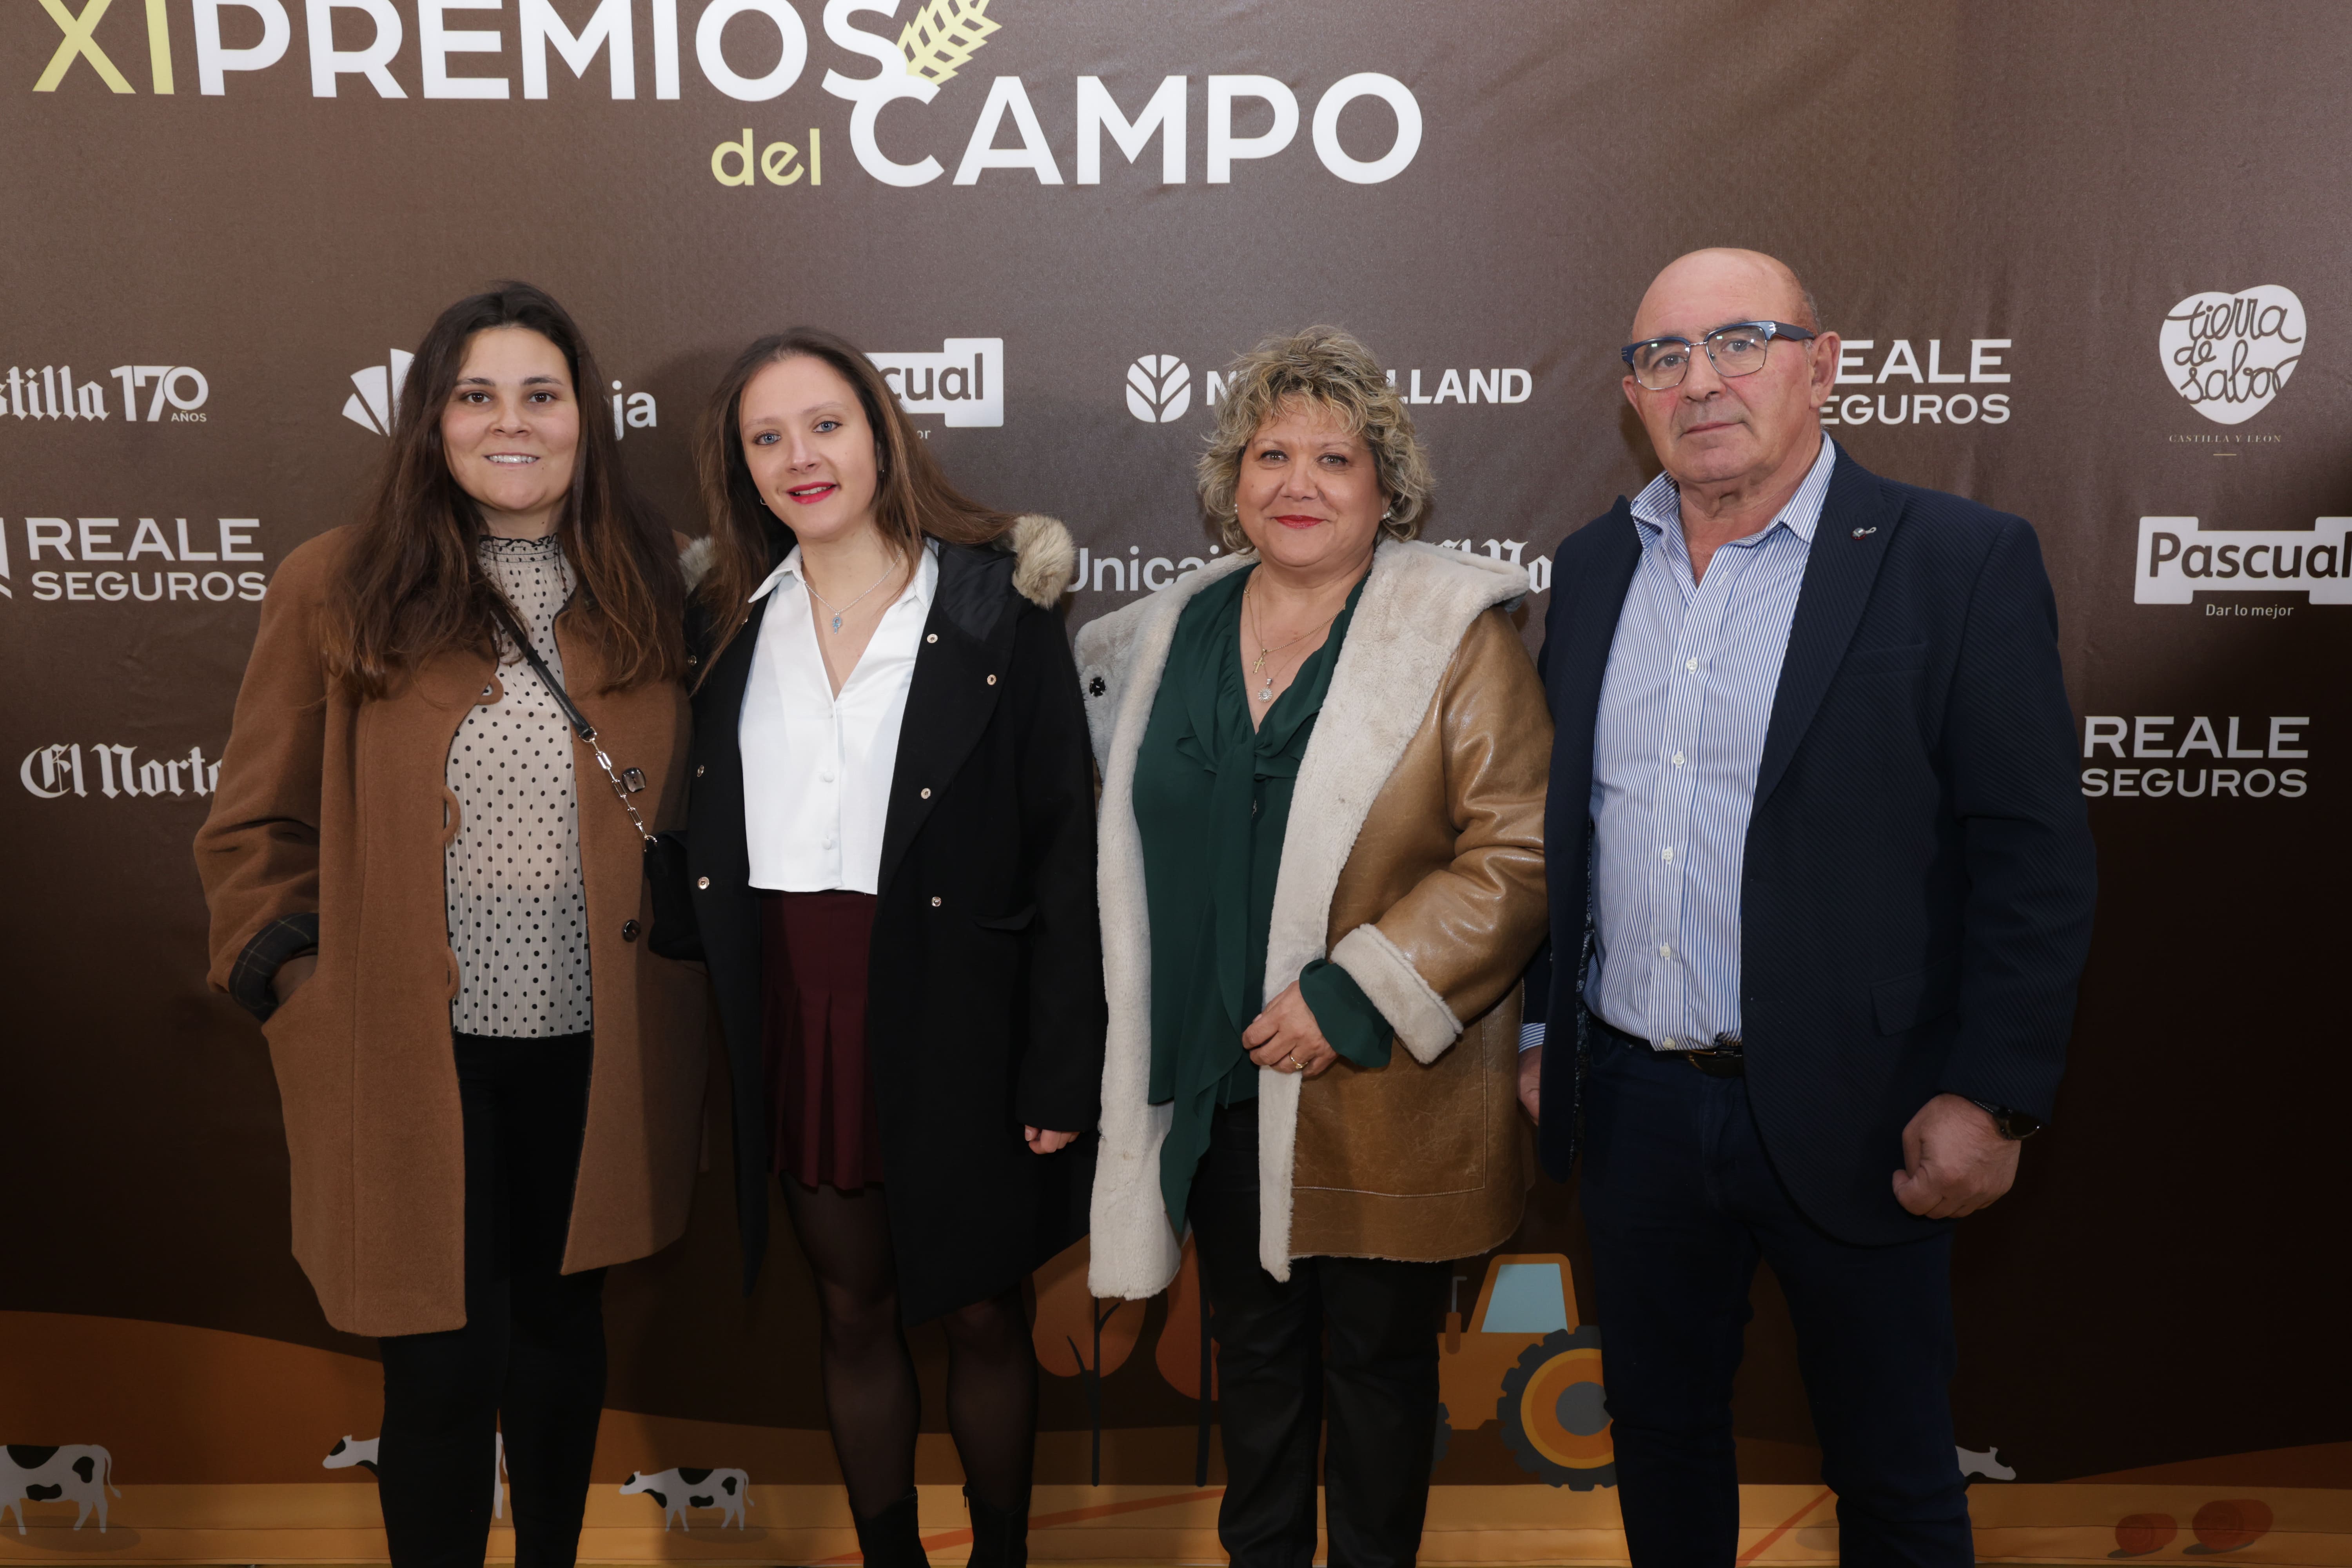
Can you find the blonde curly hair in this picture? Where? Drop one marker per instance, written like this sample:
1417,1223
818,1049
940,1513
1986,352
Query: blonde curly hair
1327,368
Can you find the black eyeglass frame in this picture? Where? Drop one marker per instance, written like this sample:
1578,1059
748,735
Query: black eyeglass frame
1771,330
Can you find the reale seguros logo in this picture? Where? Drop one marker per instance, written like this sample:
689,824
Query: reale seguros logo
206,552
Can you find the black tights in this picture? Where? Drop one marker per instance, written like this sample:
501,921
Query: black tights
871,1395
531,1359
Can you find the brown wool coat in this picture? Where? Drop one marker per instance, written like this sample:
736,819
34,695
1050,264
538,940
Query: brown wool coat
338,808
1415,859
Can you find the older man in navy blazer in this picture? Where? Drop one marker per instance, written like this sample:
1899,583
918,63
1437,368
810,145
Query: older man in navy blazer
1822,886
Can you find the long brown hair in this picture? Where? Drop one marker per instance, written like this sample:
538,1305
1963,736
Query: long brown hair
411,584
912,496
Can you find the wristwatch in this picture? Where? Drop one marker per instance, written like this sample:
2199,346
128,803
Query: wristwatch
2010,1124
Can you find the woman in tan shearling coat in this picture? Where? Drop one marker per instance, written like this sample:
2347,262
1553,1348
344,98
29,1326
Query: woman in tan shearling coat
1324,760
426,890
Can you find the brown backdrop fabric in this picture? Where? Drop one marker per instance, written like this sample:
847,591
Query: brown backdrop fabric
2032,224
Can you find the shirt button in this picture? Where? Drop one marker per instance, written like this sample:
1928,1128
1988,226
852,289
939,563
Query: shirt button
931,637
1691,665
926,795
1667,1044
935,900
629,930
826,776
1678,758
828,841
1667,853
991,680
702,881
1665,950
698,769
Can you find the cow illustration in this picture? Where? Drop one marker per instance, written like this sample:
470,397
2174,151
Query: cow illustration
684,1487
1986,1464
350,1450
82,1471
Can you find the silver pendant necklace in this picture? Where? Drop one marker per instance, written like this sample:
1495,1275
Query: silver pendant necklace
1266,689
807,582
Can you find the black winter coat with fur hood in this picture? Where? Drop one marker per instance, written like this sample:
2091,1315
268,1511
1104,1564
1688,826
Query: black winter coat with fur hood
986,1009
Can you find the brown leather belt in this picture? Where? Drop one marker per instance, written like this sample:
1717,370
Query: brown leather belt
1724,1059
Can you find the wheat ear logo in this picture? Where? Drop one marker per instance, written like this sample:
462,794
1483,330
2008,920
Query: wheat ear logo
940,39
1158,388
371,406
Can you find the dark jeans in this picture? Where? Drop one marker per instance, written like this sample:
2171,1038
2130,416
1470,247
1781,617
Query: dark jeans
1358,1332
1681,1200
531,1359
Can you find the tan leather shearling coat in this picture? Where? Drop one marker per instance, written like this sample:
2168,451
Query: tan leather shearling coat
1415,860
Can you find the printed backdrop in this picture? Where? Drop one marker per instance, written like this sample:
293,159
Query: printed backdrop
2077,252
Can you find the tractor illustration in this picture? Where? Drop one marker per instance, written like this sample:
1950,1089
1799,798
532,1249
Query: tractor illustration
1524,1360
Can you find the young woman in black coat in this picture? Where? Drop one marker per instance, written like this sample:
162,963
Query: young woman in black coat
892,849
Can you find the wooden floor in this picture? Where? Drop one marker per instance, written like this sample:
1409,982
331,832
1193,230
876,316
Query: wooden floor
337,1523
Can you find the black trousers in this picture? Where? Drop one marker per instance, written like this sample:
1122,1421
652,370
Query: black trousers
1680,1200
1358,1334
530,1360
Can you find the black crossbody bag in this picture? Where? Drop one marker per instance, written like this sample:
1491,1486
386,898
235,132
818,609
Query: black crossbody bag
676,934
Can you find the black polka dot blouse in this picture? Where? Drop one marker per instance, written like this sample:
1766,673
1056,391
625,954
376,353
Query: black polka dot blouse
518,907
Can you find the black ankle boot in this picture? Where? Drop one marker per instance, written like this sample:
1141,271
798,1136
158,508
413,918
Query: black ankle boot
893,1538
999,1537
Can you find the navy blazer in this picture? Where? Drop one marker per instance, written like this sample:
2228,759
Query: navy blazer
1916,901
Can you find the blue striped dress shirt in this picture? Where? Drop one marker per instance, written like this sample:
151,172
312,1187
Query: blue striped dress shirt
1685,704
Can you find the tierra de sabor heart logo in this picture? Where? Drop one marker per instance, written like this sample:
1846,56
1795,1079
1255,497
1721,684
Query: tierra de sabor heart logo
2228,355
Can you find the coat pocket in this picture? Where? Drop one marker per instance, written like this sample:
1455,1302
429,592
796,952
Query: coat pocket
1017,920
1907,1001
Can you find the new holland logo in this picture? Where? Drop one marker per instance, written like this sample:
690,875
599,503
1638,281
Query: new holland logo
1158,388
371,408
964,380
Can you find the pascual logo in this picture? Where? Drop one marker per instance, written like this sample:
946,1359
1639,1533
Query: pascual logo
2178,560
49,392
101,539
51,772
2228,355
1158,388
2160,738
1898,394
965,382
379,385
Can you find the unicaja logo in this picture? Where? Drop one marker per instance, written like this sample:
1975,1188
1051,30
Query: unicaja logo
2228,355
371,408
1158,388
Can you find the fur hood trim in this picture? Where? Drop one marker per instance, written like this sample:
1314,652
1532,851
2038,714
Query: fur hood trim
1045,558
1418,604
1043,554
693,562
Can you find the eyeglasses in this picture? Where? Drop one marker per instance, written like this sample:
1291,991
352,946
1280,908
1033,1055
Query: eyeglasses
1660,363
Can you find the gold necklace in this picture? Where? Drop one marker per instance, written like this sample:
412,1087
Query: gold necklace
1257,668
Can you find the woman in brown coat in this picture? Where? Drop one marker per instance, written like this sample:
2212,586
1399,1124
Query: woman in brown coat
429,893
1324,759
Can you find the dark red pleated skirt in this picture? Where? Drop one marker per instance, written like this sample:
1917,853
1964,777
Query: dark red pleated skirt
822,1130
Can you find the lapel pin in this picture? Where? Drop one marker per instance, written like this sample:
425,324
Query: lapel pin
1863,533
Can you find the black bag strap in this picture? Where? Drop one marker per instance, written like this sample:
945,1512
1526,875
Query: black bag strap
627,782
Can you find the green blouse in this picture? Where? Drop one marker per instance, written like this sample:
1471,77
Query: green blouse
1212,806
